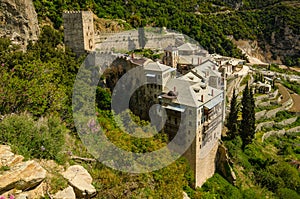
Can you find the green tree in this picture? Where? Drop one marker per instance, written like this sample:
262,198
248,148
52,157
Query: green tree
247,127
232,123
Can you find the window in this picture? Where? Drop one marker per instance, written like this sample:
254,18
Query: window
190,123
175,120
190,112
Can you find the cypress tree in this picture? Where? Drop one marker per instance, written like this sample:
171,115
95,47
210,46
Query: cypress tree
232,124
247,128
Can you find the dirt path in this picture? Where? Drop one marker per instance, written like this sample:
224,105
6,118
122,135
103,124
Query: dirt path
296,106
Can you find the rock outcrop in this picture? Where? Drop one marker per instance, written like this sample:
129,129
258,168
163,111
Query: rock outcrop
26,179
80,180
16,174
224,165
22,176
18,21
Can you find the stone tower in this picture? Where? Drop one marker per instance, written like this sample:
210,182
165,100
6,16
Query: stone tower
171,56
79,31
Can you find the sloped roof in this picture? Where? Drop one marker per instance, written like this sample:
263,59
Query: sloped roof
171,48
187,47
186,91
208,65
156,66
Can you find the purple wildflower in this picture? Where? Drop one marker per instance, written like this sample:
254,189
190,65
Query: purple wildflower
11,197
91,123
2,197
2,64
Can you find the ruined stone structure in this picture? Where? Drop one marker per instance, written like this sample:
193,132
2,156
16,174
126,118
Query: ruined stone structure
79,31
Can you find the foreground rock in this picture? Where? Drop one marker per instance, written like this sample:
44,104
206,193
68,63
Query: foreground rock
67,193
22,176
8,158
80,180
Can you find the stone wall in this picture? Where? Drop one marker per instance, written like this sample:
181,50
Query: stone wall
272,113
280,132
79,31
206,166
264,124
136,39
260,114
270,124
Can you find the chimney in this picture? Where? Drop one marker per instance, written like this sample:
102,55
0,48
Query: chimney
132,55
202,98
199,60
212,92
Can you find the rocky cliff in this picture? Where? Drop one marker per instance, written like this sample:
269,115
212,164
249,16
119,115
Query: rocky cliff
18,21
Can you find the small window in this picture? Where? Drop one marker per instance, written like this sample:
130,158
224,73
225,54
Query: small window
190,123
175,120
190,112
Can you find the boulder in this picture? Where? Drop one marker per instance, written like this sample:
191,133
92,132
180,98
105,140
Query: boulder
80,180
8,158
22,176
67,193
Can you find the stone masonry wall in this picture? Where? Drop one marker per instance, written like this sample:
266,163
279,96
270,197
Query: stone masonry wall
79,31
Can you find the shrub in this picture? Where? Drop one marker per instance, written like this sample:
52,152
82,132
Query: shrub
285,193
33,139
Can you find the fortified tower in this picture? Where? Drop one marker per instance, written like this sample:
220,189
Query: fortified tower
79,31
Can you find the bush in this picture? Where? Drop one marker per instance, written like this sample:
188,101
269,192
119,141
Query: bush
285,193
33,139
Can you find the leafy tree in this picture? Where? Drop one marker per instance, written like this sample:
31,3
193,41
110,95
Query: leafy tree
232,123
103,98
247,127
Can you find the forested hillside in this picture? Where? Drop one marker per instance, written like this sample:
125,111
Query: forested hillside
274,23
36,96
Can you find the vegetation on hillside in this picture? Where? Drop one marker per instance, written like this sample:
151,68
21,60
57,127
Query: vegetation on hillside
36,90
207,21
35,95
